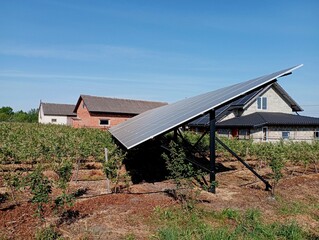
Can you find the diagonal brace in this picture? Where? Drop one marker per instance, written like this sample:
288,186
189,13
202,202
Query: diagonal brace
268,186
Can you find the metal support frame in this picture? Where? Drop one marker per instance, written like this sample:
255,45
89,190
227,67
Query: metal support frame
212,147
268,186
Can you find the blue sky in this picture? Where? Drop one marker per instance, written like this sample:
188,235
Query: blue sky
55,50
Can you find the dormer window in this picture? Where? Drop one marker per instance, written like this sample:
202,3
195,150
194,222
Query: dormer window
262,103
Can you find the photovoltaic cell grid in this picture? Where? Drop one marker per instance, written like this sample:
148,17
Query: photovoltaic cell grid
221,111
160,120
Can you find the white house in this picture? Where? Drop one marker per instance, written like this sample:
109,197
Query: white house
268,114
54,113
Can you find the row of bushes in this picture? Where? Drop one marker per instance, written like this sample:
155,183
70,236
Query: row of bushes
33,143
286,151
38,143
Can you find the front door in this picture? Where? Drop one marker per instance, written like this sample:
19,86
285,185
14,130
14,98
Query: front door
234,132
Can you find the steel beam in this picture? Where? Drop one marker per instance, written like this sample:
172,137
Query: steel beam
212,124
268,186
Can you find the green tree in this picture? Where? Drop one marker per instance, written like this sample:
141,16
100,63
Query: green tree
5,114
20,116
33,115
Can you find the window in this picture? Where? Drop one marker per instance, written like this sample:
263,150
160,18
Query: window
316,135
53,120
285,135
262,103
105,122
244,133
265,134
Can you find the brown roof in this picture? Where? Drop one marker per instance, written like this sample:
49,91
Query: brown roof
58,109
116,105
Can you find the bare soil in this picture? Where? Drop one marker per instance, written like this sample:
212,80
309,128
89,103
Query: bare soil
99,215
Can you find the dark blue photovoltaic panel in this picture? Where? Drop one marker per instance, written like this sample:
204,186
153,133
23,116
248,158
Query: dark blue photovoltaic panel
163,119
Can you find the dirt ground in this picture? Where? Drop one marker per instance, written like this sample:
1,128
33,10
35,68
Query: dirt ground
99,215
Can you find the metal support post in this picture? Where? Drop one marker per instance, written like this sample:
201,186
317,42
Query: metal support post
212,123
175,135
107,180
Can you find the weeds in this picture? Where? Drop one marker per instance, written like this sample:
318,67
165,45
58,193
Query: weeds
197,224
47,233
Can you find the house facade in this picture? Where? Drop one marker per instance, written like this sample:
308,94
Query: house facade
54,113
268,114
103,112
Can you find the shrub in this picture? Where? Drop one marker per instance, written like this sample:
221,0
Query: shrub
47,233
40,187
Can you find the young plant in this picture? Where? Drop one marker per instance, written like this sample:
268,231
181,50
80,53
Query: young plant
14,181
47,233
64,171
40,187
112,167
276,163
182,173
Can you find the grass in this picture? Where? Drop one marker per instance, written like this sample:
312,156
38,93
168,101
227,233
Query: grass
177,223
293,208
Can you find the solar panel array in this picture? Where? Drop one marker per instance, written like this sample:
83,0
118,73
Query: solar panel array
221,112
160,120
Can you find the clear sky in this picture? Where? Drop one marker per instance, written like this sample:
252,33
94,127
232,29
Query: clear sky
55,50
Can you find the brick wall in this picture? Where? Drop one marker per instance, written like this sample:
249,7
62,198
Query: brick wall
92,120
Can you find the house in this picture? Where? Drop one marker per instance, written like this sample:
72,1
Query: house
104,112
268,114
56,113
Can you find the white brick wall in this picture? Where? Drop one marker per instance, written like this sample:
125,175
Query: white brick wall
275,134
274,104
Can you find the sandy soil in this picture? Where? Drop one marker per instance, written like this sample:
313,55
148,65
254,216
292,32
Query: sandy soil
99,215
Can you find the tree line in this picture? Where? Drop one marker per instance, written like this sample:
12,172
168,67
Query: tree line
8,115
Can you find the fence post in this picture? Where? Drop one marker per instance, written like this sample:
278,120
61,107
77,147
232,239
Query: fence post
107,180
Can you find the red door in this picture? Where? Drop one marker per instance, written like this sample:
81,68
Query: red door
234,132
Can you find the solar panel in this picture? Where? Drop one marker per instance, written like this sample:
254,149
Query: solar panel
160,120
221,112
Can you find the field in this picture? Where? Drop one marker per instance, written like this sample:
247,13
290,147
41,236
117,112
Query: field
241,208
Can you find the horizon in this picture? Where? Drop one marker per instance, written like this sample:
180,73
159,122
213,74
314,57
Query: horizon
55,51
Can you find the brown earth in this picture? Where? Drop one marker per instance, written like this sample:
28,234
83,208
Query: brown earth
98,215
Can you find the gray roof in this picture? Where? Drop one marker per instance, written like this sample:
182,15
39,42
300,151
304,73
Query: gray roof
259,119
117,105
164,119
245,101
55,109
